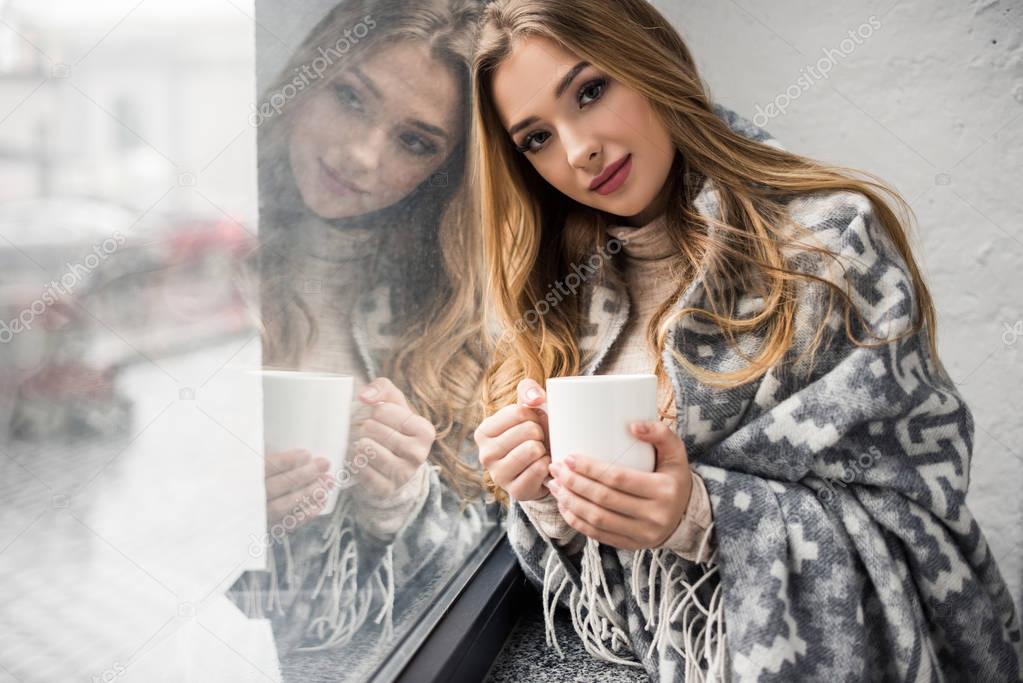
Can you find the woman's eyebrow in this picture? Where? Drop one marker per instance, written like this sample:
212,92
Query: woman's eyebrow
430,128
559,90
366,81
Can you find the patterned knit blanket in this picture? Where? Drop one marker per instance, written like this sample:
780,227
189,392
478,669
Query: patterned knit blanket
845,550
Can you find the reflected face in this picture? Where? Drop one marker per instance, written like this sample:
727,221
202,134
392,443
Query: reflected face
592,138
375,131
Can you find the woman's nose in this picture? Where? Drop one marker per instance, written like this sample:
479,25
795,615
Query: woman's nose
363,153
582,151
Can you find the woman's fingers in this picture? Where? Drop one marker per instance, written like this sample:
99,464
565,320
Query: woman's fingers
595,515
599,493
624,479
397,443
670,450
382,389
301,505
296,485
276,463
532,478
508,468
295,479
380,459
374,484
403,421
513,445
530,393
520,433
503,420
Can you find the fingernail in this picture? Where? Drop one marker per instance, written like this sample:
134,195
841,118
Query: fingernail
570,462
554,487
369,392
532,394
555,468
322,464
642,428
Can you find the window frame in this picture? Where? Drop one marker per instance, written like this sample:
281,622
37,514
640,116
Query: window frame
463,632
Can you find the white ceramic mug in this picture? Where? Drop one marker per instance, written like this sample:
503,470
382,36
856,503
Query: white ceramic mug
308,410
590,415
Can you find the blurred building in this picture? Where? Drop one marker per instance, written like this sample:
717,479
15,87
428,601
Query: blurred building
127,197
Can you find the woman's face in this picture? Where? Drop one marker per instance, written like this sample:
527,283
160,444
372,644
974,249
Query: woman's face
575,125
375,131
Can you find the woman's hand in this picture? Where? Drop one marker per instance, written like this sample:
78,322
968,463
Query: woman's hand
514,444
624,507
394,440
296,487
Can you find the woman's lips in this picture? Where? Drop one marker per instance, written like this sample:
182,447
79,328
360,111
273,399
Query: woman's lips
336,183
618,176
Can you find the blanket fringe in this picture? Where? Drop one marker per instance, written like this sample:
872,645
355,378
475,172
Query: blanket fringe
592,617
701,640
347,608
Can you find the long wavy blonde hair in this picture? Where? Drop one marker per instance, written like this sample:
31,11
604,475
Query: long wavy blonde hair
532,233
429,242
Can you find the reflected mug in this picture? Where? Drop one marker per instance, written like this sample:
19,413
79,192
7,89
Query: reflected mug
309,410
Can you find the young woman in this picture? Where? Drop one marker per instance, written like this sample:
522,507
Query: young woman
363,270
806,517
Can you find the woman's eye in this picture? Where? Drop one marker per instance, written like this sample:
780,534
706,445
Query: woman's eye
348,97
417,145
592,91
527,142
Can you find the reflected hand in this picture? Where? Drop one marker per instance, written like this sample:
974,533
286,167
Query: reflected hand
623,507
514,444
296,487
394,440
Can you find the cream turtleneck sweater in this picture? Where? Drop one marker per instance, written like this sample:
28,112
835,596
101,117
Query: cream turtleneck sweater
326,263
645,263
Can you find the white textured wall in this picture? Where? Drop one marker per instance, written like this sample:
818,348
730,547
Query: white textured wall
932,101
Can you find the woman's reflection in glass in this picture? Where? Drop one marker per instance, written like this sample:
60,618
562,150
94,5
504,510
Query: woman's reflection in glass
367,246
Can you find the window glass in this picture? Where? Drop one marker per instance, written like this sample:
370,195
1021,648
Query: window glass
220,223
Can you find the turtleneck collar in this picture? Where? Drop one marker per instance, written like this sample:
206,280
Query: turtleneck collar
648,242
322,241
